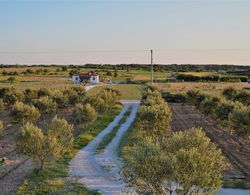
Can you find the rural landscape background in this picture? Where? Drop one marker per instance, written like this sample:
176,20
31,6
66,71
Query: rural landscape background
124,97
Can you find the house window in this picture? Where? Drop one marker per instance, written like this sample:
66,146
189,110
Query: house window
93,78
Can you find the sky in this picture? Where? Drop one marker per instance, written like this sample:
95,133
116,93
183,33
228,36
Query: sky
124,31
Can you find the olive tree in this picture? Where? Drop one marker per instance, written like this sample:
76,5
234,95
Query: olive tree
105,99
146,168
12,95
240,120
32,143
62,132
84,114
154,120
60,99
73,97
21,112
223,109
47,146
45,105
198,162
188,162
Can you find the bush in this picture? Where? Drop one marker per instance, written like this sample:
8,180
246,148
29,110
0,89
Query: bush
79,90
43,92
209,105
154,120
45,105
154,115
24,113
196,98
84,114
237,95
60,98
12,95
12,79
229,93
44,147
30,94
243,97
62,134
72,95
106,99
223,109
240,120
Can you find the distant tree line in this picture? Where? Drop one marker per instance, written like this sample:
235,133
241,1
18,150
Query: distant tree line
216,78
233,69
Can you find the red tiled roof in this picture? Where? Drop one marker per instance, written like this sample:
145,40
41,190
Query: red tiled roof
86,75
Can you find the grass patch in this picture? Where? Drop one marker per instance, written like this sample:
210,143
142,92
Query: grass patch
237,184
108,138
53,178
128,91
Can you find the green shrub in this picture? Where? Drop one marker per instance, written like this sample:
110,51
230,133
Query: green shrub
223,109
45,147
237,95
240,120
24,113
13,95
209,105
43,92
196,98
61,132
80,90
106,99
85,138
243,97
12,79
229,93
30,94
72,95
84,114
45,105
58,97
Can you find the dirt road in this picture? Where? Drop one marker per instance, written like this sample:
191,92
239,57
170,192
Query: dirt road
102,171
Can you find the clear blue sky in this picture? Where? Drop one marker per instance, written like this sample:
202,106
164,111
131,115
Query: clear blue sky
109,31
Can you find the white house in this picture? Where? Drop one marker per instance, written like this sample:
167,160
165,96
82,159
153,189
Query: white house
86,77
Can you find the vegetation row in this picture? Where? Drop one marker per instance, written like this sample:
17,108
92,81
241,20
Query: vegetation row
76,120
159,161
232,111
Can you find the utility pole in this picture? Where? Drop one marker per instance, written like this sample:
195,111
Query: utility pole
152,70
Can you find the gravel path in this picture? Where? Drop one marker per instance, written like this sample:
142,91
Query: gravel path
102,171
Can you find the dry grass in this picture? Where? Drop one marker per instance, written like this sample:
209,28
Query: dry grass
35,81
209,87
128,92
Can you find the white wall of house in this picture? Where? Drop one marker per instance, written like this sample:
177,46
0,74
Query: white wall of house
76,79
94,79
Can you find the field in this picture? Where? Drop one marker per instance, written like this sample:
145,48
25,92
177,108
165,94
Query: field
235,148
128,92
182,87
19,168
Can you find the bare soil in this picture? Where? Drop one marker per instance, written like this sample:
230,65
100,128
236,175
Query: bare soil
235,148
